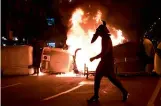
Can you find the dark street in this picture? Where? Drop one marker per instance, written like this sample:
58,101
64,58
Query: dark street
50,90
83,41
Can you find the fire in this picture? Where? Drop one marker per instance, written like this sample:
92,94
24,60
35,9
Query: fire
69,74
118,39
83,26
39,73
98,16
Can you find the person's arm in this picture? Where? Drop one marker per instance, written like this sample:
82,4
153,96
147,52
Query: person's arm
98,56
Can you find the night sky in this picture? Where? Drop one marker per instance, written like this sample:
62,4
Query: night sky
132,16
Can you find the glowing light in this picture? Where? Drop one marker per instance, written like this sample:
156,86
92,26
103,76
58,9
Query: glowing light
4,44
15,38
23,39
4,38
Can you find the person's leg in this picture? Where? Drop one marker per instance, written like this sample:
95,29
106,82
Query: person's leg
38,60
37,71
97,82
117,83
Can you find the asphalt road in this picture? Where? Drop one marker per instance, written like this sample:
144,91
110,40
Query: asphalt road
50,90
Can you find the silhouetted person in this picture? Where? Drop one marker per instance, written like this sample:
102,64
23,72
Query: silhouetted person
36,56
106,65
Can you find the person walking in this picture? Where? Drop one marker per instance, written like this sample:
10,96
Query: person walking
106,66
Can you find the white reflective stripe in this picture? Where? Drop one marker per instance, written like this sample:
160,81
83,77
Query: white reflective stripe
155,94
59,94
10,85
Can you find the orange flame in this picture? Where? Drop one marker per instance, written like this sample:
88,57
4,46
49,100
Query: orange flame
80,34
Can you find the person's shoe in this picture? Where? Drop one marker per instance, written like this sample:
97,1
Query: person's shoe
125,96
93,99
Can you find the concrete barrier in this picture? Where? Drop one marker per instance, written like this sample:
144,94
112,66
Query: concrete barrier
16,60
157,61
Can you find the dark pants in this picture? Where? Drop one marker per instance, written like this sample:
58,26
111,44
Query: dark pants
111,76
37,60
36,70
36,64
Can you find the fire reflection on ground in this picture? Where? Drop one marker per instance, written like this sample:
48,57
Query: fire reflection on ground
70,74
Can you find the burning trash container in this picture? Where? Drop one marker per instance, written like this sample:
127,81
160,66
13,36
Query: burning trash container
61,61
56,60
45,60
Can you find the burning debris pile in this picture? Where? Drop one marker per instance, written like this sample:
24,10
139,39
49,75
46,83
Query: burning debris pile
83,25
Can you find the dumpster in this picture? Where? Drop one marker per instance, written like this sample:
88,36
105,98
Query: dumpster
126,59
45,59
16,60
56,60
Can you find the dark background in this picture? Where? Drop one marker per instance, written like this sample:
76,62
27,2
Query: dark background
27,18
